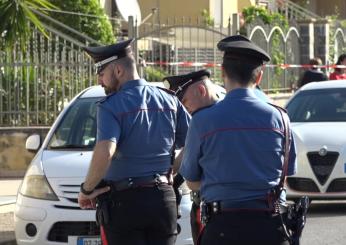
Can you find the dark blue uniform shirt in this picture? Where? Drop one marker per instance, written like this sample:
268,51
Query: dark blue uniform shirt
235,148
142,120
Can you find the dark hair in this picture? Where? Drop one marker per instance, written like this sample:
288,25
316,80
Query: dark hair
340,59
315,61
241,71
128,62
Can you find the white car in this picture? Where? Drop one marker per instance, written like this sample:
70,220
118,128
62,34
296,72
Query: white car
318,115
46,210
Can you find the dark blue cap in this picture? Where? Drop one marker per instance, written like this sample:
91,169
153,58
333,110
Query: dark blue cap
103,55
238,47
180,83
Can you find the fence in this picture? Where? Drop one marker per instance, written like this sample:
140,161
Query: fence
36,84
181,46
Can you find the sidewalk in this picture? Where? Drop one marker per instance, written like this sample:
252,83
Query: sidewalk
8,192
280,99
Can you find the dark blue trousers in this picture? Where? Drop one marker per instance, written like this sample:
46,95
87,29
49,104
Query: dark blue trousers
244,228
142,216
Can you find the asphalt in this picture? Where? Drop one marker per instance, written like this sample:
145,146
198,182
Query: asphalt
8,192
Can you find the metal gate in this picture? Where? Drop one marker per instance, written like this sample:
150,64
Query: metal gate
283,46
35,84
178,47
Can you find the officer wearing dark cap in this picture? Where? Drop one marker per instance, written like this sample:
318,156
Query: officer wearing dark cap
196,92
234,155
137,125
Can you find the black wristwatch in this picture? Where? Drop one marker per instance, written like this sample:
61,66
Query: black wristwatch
85,192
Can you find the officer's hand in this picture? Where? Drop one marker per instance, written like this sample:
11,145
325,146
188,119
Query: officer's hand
89,201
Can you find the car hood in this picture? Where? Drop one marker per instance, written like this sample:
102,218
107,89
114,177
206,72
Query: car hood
320,133
66,164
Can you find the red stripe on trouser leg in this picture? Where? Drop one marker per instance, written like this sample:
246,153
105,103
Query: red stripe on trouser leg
198,217
200,226
103,236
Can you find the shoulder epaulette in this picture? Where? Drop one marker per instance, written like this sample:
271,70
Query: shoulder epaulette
167,90
278,107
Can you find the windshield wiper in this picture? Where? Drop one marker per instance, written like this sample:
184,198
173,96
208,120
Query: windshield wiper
70,146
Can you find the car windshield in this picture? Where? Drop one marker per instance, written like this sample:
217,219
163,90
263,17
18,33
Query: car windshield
77,129
321,105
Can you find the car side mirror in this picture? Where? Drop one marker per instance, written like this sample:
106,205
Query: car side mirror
33,142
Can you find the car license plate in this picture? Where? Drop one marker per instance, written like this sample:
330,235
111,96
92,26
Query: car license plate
89,241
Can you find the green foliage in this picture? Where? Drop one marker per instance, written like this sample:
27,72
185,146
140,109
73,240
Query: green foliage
269,18
154,74
252,13
207,19
98,28
15,16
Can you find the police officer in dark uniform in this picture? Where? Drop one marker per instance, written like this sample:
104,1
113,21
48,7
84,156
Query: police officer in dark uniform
196,92
234,154
136,126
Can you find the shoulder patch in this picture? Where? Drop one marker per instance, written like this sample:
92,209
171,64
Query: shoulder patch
167,90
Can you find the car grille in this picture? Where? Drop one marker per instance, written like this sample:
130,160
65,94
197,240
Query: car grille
61,230
70,192
322,166
337,185
302,184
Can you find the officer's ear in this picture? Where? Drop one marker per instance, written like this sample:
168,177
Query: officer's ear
118,70
259,77
202,89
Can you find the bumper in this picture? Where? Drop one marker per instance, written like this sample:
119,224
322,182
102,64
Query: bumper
57,226
44,215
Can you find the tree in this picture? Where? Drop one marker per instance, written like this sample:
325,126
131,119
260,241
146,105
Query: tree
15,15
94,24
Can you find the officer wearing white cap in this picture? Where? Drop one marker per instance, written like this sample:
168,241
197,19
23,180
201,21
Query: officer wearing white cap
234,154
137,125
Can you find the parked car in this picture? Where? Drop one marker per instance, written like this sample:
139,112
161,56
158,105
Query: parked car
318,115
47,210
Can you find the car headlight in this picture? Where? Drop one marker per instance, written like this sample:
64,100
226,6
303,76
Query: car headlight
37,186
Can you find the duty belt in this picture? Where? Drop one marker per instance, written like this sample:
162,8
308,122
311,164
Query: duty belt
137,182
250,205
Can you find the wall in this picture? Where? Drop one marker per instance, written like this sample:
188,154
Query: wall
229,8
14,158
172,9
107,6
323,7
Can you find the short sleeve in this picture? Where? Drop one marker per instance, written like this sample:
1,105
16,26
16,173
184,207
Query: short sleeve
292,160
190,168
108,127
183,120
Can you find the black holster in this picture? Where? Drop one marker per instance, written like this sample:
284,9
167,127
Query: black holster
206,213
177,182
103,205
294,219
